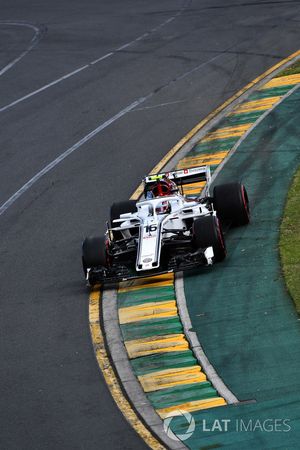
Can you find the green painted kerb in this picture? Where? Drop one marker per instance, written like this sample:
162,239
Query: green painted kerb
152,327
141,296
157,363
291,70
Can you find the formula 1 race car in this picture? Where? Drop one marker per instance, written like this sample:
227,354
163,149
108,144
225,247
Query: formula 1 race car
165,231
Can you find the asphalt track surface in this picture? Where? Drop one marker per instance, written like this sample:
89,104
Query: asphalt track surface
52,394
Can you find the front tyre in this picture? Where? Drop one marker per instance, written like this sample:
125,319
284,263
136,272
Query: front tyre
94,253
231,203
207,232
118,208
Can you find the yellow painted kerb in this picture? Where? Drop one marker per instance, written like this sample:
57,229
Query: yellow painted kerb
193,406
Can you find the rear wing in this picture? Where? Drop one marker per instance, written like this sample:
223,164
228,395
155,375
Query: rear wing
182,176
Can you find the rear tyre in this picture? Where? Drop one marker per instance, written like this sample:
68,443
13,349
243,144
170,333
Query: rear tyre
207,232
94,252
231,203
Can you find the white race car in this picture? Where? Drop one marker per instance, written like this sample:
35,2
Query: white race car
166,231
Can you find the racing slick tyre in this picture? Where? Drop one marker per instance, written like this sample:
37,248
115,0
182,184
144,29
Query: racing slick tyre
231,203
207,232
94,252
128,206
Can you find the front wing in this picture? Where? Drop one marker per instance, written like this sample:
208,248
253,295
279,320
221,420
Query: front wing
119,273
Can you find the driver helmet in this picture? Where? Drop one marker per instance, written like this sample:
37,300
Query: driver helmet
163,187
163,208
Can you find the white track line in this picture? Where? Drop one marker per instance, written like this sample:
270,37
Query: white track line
68,152
34,41
80,69
43,88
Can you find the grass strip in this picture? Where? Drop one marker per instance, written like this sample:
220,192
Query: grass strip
290,241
